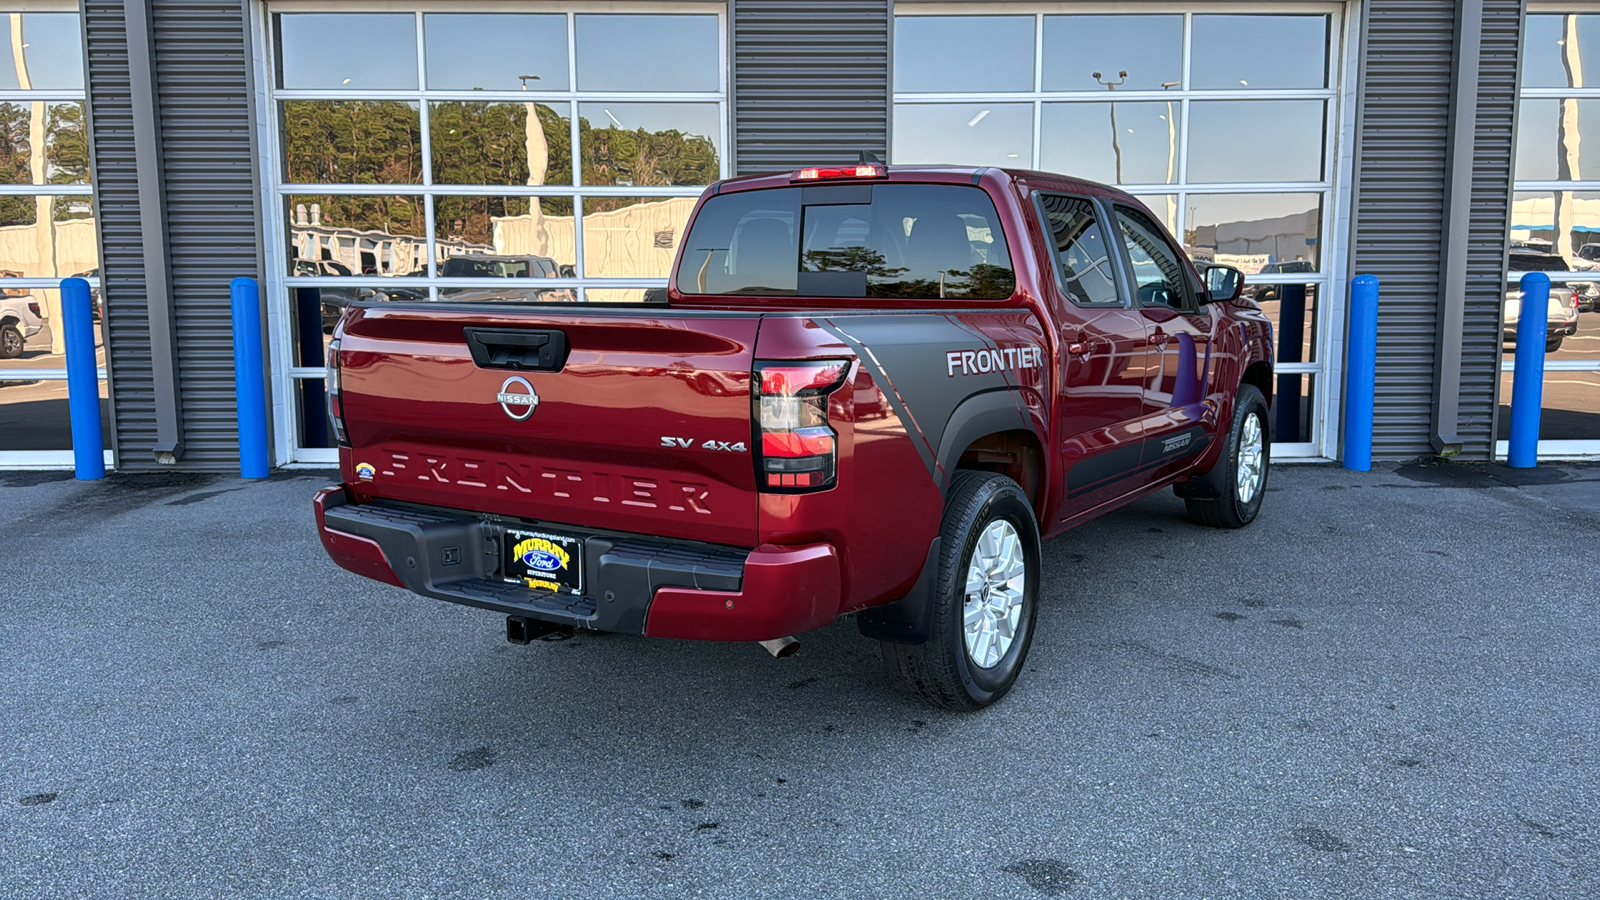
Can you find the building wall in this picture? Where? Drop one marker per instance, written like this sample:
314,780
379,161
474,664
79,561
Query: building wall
1402,198
810,84
203,144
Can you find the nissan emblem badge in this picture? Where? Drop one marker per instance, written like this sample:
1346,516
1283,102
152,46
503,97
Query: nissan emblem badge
518,404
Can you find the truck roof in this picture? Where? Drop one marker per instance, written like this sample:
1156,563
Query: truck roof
938,174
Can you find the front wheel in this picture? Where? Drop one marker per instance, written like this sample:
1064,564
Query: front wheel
986,597
1242,467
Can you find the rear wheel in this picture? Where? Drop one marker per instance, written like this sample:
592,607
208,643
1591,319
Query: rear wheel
986,597
1552,344
1242,470
11,342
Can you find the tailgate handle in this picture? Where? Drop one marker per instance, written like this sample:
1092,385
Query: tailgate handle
540,351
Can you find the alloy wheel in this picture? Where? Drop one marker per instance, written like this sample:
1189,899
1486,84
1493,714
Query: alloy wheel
997,581
1252,454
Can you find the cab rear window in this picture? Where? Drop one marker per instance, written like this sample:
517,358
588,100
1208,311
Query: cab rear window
902,241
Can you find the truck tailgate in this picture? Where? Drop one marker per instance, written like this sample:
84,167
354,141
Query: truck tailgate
645,428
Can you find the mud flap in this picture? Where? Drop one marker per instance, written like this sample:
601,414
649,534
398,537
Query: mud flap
909,619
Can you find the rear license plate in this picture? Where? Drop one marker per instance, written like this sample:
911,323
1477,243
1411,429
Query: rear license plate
544,561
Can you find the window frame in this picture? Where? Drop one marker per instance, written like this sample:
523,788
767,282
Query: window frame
841,191
38,284
1191,305
1098,209
280,283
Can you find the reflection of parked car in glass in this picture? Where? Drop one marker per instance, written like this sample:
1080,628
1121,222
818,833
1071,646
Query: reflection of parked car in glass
1578,296
1586,293
503,267
20,318
94,292
1265,293
335,298
1561,318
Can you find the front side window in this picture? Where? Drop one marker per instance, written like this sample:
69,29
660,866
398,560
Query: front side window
1156,268
901,241
1082,256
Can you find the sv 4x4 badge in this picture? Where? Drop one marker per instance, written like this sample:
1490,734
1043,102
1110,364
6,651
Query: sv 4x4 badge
679,443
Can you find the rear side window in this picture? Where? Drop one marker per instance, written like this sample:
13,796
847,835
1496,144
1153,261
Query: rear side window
1083,257
903,241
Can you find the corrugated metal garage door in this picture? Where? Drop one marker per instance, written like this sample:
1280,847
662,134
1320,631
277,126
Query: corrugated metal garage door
1401,184
810,82
203,84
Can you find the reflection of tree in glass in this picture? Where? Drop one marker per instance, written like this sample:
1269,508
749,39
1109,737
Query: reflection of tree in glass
470,218
645,158
389,215
67,144
14,164
66,157
981,282
849,259
486,143
352,142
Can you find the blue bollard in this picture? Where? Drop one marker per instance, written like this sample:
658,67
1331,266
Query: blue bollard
249,378
83,381
1527,378
1361,373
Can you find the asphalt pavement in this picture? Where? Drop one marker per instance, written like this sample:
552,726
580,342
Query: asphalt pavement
1386,687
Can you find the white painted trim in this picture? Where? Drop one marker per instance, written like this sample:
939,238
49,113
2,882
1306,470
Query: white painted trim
1104,7
41,374
1557,365
1550,451
551,7
44,459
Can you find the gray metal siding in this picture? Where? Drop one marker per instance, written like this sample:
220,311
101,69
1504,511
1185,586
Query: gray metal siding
117,215
1492,176
1402,174
810,82
203,82
1402,129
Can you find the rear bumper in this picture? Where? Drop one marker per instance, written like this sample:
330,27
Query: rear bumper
633,583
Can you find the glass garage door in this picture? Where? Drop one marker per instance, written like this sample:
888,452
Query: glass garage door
47,227
1226,125
1555,224
481,153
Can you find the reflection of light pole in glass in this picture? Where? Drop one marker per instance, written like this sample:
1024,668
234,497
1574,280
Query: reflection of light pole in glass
1116,148
1565,216
44,207
1172,151
538,150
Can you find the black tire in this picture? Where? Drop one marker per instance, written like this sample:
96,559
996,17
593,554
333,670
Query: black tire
1229,509
942,672
1552,344
11,342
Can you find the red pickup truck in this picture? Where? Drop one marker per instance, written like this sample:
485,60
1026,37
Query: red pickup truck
868,389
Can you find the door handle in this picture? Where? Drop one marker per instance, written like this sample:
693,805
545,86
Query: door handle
1159,337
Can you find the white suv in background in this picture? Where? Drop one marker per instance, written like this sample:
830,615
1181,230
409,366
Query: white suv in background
20,318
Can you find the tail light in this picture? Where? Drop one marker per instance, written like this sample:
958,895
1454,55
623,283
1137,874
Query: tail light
33,307
336,396
797,451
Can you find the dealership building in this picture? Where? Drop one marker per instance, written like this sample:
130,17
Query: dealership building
343,151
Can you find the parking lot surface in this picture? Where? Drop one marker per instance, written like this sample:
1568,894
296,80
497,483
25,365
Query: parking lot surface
1385,687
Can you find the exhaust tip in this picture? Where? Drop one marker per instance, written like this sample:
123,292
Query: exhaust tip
781,648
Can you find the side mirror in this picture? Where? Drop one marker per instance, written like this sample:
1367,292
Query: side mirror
1223,284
